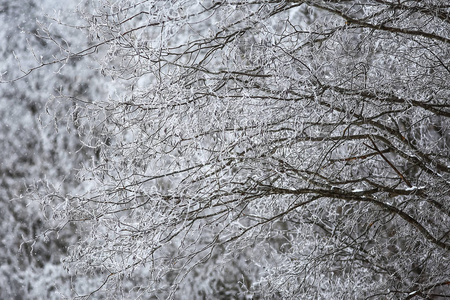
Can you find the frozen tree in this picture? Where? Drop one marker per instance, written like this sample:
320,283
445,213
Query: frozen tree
260,149
39,144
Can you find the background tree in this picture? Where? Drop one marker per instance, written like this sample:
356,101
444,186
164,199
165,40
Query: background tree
295,149
39,145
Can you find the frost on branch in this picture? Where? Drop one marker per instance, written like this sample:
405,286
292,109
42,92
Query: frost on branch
294,149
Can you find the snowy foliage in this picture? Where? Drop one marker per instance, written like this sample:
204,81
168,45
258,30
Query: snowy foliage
257,149
40,147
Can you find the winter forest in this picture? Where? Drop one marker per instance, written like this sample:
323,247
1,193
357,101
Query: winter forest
225,149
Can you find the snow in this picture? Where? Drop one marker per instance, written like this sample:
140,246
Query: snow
413,188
